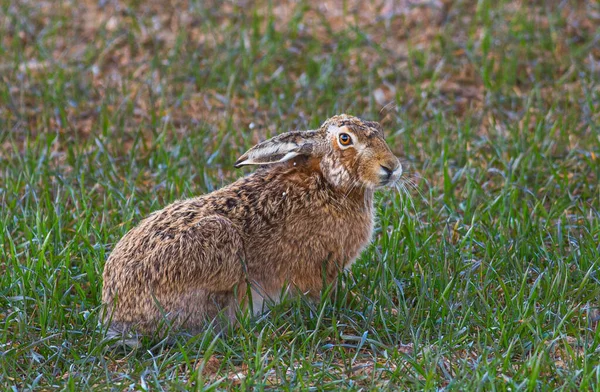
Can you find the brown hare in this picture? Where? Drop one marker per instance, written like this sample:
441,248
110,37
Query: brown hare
290,226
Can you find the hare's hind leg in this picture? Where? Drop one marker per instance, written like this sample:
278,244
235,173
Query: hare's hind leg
180,281
204,309
213,274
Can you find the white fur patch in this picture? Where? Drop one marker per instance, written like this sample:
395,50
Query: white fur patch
258,302
397,173
335,172
334,130
273,149
261,299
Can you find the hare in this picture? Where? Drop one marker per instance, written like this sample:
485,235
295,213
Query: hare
291,226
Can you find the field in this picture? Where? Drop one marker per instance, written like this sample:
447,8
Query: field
484,276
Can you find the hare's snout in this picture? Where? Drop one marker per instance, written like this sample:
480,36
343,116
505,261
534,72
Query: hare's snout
389,173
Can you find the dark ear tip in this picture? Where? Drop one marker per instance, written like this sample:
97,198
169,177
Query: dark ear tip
240,162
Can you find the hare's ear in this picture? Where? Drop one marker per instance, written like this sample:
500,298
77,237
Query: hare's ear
280,148
374,124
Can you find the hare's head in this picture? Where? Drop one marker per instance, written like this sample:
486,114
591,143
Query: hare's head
350,152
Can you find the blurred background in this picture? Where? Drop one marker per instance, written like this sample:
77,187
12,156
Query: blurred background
248,68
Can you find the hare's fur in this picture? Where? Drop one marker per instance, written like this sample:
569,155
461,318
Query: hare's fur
304,215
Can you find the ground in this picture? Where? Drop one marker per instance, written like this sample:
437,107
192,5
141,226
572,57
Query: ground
485,277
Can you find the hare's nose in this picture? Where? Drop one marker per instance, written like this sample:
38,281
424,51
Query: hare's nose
386,171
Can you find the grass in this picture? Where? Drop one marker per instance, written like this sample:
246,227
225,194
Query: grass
485,279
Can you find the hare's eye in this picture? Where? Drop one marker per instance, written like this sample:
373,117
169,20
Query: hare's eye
345,139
